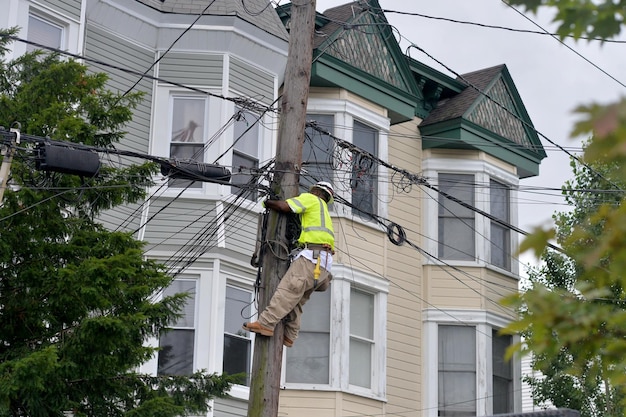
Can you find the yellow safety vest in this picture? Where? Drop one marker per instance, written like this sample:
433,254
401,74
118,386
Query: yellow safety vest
317,226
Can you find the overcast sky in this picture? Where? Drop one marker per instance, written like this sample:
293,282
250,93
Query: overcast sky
551,79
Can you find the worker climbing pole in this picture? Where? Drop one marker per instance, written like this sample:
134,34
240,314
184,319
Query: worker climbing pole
267,359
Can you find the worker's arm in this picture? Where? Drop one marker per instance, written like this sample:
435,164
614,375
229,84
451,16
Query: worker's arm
278,205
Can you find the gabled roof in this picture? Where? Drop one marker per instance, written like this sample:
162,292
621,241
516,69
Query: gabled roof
355,49
488,115
259,13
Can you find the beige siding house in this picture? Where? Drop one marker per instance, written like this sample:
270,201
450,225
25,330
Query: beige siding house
425,167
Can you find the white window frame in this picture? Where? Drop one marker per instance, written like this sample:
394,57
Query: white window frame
218,116
344,279
19,13
224,273
195,280
250,336
483,172
345,112
485,322
250,117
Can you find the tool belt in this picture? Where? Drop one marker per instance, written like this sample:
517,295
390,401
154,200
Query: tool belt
317,247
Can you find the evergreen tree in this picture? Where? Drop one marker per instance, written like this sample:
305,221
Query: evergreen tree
77,300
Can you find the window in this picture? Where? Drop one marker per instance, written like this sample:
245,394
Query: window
457,370
317,152
187,134
245,154
308,359
364,179
342,338
237,342
361,337
44,32
502,374
465,354
500,235
456,223
176,346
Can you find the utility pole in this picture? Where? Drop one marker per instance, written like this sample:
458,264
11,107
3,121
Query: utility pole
267,360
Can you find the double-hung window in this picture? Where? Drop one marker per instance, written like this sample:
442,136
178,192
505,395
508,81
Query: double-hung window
457,234
364,178
237,342
188,128
465,353
317,151
308,361
361,338
502,374
176,345
245,154
500,234
457,370
44,32
342,338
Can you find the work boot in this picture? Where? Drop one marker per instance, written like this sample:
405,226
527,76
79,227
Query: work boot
287,341
257,327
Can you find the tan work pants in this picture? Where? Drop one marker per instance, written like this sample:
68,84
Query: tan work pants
293,291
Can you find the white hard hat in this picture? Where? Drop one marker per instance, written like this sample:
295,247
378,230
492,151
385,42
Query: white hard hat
328,188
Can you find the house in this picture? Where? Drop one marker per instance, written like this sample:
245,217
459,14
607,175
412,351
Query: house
425,167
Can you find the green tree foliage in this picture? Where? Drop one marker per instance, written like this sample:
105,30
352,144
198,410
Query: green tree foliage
76,300
593,18
567,381
587,320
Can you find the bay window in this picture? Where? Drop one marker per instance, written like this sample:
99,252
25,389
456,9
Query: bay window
502,374
317,151
457,370
364,180
361,338
176,345
465,354
308,361
456,222
245,154
342,338
500,235
188,127
237,342
44,31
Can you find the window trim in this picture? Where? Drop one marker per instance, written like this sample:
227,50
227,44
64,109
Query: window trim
196,280
484,321
345,112
484,171
344,279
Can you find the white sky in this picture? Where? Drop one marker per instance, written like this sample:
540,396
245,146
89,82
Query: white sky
551,79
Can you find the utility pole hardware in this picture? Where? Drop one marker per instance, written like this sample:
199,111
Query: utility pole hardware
267,360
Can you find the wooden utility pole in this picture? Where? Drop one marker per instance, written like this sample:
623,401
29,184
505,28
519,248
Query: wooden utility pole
267,360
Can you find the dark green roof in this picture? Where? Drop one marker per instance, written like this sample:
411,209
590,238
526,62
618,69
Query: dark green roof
488,115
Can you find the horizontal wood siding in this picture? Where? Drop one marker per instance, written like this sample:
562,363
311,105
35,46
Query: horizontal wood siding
226,407
461,287
126,218
251,81
205,70
110,49
403,269
70,8
241,232
183,222
302,403
359,246
499,286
